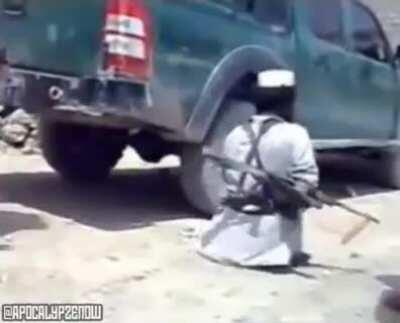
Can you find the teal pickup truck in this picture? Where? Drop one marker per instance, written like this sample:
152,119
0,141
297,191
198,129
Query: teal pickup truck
172,76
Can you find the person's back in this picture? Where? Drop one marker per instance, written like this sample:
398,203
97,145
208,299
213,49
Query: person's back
284,150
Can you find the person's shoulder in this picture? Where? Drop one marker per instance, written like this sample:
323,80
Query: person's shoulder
292,127
297,128
293,131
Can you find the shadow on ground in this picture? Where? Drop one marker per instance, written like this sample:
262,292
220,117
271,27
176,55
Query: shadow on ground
128,200
346,176
134,199
11,222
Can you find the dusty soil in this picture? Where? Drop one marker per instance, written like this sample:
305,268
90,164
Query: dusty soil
127,244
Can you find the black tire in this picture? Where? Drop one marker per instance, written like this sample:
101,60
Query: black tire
81,153
201,180
386,169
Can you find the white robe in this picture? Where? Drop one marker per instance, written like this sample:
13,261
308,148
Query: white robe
235,238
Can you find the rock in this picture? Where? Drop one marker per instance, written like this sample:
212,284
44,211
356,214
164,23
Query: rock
232,292
31,147
355,255
138,278
113,258
189,233
14,134
22,118
34,134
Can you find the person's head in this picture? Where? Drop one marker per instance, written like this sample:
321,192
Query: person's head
276,93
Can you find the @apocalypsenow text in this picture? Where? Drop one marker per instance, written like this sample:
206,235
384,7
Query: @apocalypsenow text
52,312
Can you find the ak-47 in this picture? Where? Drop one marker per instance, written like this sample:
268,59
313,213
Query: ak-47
313,199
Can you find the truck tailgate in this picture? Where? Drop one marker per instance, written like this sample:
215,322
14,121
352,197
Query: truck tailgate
54,36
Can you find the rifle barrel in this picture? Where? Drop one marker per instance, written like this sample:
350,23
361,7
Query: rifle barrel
317,196
356,212
333,202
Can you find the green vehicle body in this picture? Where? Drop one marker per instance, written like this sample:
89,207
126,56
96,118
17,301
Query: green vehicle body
202,48
206,61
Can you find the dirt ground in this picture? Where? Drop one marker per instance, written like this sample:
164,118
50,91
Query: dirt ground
128,244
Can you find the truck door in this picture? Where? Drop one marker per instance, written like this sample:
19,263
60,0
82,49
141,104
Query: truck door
372,76
321,68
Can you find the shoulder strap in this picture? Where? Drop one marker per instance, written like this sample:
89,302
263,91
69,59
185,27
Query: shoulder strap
265,127
255,139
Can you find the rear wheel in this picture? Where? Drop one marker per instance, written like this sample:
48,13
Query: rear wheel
80,152
201,180
386,168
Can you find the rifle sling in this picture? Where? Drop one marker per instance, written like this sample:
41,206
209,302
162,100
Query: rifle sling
255,140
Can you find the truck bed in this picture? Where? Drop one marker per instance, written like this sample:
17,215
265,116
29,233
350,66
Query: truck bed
63,36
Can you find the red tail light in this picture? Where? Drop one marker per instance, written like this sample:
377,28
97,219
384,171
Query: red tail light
128,37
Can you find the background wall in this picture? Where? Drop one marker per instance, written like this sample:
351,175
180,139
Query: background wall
389,13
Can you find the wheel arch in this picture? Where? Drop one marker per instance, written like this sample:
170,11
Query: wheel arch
239,67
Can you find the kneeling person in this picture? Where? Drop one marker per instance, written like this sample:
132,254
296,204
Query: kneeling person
273,237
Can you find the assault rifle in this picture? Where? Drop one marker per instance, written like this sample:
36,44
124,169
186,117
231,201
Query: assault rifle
314,198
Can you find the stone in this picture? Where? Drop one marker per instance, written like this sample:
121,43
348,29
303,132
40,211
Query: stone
355,255
22,118
138,278
34,134
14,134
31,147
189,233
232,292
112,258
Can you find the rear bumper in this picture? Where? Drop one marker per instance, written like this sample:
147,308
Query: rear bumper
108,102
